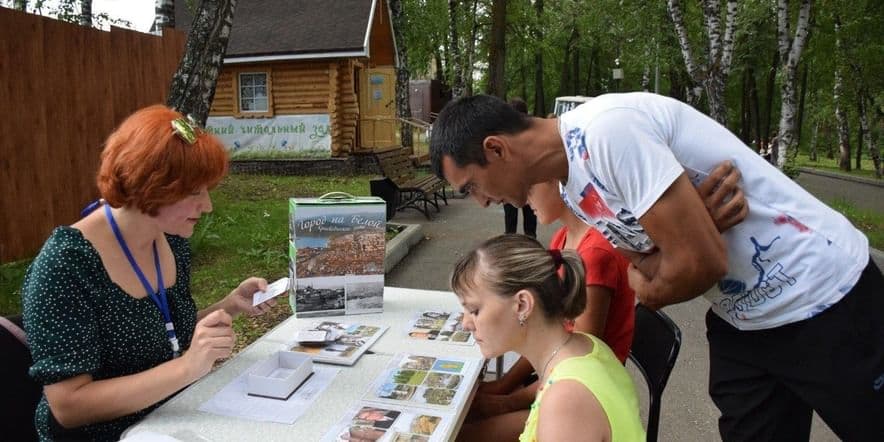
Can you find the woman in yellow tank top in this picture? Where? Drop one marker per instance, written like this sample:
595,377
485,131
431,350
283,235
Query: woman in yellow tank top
514,300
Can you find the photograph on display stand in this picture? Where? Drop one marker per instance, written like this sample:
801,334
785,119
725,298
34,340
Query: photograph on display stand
365,294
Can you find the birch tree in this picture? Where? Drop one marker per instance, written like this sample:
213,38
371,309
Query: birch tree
789,48
712,71
403,105
862,97
193,85
86,13
164,16
457,87
843,129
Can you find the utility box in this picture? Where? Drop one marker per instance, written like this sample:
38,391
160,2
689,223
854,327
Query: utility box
427,98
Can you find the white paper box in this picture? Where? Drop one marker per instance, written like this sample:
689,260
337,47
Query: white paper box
280,374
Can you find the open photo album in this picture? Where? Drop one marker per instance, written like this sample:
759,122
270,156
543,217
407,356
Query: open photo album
432,382
390,423
346,342
440,326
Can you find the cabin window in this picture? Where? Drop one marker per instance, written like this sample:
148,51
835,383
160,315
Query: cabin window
253,92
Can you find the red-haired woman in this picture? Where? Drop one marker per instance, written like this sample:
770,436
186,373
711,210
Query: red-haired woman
109,316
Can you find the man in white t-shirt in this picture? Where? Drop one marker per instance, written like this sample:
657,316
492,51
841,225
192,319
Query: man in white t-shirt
793,325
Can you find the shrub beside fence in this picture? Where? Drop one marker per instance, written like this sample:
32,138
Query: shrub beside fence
63,89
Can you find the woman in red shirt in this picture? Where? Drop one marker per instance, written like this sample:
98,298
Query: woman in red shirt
501,407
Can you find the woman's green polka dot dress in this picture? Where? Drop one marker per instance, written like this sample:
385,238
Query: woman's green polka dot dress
78,321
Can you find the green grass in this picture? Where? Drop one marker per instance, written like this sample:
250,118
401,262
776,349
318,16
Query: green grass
11,277
869,222
831,165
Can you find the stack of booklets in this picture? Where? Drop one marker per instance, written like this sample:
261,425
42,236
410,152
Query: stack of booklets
415,399
349,343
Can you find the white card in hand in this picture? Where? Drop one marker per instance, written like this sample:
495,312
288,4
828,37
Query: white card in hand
273,290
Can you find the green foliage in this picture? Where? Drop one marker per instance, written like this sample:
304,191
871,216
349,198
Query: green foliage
640,35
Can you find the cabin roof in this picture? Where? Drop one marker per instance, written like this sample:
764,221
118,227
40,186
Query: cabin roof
294,29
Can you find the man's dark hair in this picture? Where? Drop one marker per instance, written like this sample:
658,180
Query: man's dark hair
464,124
519,104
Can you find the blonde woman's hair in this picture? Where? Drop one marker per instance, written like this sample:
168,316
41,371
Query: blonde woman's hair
509,263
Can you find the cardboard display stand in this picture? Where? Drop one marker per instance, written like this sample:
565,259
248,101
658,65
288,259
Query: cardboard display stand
336,252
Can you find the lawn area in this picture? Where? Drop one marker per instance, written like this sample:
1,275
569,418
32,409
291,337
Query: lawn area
245,235
871,223
831,165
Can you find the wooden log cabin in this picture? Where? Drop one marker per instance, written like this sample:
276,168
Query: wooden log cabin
309,76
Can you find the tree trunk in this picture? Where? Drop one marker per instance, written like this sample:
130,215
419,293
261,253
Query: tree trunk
21,5
403,104
869,141
838,91
865,132
575,77
164,16
193,85
768,114
537,34
440,67
523,77
860,130
593,61
799,126
874,155
829,142
813,139
565,80
713,72
497,54
471,49
745,125
790,52
455,64
754,116
86,13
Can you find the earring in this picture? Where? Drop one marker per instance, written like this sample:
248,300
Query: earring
521,320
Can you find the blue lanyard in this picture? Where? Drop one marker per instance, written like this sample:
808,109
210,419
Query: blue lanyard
159,296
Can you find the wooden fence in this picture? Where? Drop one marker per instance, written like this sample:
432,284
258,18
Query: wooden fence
63,89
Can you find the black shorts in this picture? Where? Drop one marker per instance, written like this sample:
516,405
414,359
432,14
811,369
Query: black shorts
767,383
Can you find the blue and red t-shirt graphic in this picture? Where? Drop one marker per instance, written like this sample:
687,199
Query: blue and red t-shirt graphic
769,284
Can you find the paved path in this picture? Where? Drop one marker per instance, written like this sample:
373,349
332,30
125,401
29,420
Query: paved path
865,194
688,413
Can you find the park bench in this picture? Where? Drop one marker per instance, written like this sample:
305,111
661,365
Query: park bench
402,188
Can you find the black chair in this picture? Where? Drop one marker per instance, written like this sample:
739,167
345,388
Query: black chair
20,393
655,347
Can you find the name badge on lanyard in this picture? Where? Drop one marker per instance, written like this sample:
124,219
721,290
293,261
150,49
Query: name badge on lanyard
157,296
